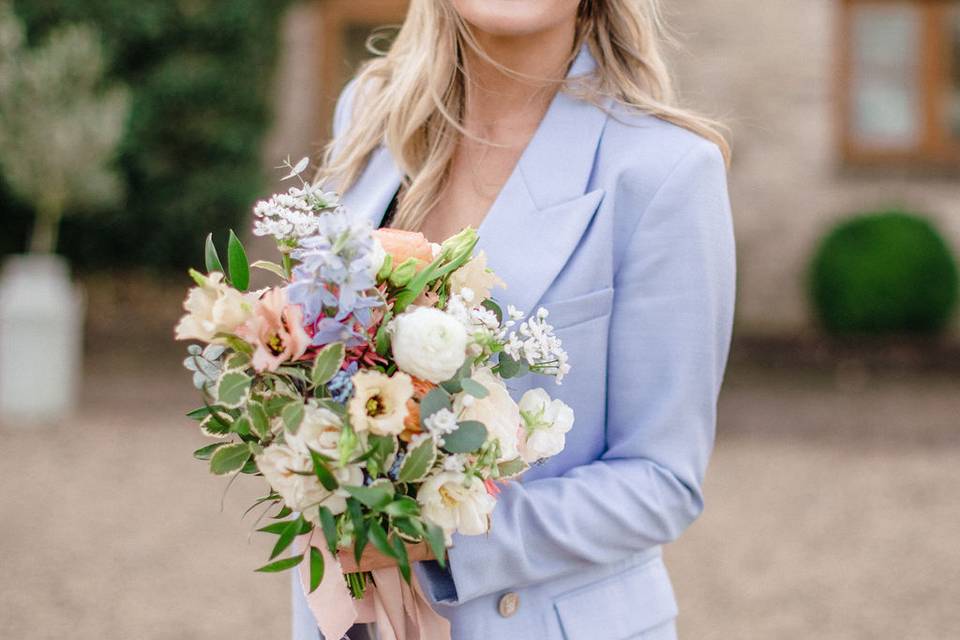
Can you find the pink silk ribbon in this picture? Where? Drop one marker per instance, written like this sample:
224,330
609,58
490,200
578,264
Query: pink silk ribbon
400,610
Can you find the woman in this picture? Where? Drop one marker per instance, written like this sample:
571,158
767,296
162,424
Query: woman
550,125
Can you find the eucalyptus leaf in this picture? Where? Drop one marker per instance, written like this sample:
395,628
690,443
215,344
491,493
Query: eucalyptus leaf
237,260
327,363
508,367
418,462
468,437
474,388
453,384
211,259
434,401
512,468
229,458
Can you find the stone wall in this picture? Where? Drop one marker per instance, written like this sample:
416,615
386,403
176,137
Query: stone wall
767,69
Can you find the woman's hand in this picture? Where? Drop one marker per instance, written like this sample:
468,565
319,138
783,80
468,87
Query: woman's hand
373,559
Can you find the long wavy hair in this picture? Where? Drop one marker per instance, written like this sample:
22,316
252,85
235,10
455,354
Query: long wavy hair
411,98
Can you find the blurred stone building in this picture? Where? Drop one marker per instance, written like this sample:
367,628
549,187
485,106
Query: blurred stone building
834,106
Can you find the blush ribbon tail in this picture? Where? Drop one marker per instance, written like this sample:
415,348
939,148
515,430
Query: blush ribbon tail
400,610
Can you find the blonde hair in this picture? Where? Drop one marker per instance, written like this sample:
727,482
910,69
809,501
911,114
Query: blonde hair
412,97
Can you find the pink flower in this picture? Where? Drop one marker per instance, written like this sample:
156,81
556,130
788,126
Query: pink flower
402,245
275,330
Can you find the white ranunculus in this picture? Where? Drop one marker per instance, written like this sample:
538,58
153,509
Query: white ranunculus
498,412
213,307
450,504
320,431
429,344
546,423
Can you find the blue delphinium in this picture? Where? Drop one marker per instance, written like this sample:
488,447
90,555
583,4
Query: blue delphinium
341,386
335,276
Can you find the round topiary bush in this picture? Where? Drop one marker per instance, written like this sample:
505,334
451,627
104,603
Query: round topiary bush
888,272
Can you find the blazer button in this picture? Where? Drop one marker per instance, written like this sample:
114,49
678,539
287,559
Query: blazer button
509,603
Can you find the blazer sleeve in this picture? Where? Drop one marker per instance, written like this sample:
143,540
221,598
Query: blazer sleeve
669,338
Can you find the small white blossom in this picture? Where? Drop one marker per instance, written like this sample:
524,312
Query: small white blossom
441,423
454,462
535,343
294,214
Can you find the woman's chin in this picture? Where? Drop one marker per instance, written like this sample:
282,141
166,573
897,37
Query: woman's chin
515,18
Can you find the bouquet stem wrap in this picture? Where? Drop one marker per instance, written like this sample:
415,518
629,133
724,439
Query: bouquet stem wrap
400,610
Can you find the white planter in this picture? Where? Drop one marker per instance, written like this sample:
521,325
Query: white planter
41,333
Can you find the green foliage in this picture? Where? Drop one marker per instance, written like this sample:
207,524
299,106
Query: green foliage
884,273
200,73
59,124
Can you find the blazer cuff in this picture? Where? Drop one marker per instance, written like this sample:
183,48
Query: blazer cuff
436,582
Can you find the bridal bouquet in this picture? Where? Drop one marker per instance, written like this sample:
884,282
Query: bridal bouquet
366,387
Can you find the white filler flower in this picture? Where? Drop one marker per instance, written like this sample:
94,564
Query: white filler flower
547,422
450,504
429,344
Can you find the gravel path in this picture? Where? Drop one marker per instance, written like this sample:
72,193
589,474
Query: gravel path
831,514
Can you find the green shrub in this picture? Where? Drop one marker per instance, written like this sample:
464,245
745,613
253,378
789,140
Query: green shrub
200,73
888,272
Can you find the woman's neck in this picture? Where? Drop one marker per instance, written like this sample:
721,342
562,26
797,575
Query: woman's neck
499,103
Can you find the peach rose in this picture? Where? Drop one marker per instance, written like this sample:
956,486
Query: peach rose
411,424
275,331
402,245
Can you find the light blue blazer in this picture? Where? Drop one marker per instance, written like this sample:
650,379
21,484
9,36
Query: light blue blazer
618,223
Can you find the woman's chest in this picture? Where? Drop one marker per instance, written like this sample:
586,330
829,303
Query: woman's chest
474,180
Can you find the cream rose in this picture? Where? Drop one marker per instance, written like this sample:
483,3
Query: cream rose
498,412
379,402
290,472
319,431
546,423
429,344
453,506
213,307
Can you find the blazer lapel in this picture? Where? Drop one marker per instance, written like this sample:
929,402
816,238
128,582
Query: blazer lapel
543,209
371,194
